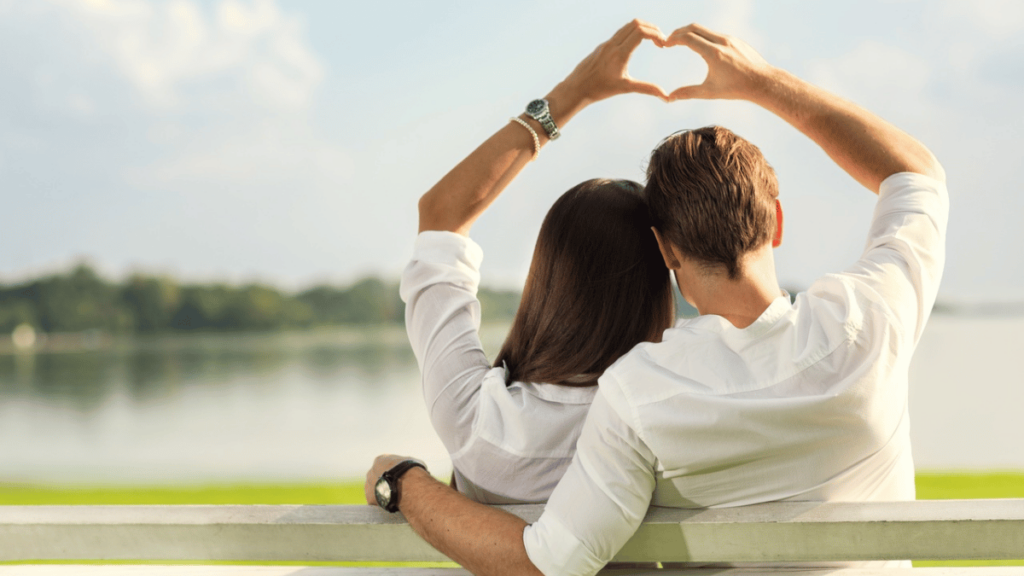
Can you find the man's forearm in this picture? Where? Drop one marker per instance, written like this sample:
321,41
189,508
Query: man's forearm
865,146
482,539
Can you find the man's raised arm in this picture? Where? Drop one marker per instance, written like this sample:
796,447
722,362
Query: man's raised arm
865,146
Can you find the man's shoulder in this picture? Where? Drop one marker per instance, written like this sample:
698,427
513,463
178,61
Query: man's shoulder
708,356
652,371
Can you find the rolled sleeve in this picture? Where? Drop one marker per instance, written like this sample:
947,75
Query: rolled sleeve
600,501
906,248
442,257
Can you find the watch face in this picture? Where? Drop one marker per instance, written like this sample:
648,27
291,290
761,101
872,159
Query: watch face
382,491
536,107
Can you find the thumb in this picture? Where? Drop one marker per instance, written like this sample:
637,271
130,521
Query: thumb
646,88
687,92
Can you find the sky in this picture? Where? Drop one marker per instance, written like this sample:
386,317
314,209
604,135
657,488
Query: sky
288,143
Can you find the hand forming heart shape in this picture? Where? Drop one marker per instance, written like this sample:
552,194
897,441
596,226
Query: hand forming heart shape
734,68
667,68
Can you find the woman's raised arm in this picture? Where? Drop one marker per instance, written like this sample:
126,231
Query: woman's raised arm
454,203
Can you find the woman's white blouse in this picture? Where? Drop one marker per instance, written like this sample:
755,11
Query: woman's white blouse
508,444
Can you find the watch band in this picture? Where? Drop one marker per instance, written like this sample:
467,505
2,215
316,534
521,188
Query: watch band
391,477
539,111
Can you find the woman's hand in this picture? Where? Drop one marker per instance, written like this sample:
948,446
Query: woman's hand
735,70
454,203
603,73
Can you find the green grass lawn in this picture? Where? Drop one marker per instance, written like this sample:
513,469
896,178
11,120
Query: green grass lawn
340,493
930,486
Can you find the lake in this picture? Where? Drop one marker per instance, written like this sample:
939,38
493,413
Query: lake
318,406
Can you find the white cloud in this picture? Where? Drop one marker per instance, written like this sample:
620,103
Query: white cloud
956,88
177,124
996,18
265,157
872,72
177,55
224,92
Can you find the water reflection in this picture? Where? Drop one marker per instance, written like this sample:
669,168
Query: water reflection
321,405
214,407
156,368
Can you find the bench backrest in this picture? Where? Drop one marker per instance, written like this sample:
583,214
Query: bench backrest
783,531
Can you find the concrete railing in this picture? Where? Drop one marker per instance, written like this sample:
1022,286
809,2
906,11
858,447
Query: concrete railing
775,532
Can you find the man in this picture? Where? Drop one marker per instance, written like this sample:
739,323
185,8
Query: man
757,399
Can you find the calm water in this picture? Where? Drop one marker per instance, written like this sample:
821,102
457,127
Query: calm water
320,406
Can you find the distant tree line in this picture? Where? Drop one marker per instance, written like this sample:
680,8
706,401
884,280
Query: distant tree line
81,300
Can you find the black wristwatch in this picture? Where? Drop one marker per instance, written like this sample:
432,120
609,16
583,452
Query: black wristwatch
539,111
386,489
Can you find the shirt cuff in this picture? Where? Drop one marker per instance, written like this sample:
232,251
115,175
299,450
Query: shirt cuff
909,192
442,257
442,247
554,550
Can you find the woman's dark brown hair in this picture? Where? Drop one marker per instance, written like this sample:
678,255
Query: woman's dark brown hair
597,286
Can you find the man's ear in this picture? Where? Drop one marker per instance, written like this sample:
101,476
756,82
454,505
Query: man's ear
668,252
777,240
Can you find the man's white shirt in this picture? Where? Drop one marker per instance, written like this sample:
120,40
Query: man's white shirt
807,403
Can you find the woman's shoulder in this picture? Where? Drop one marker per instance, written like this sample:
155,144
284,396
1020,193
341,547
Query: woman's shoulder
495,390
523,425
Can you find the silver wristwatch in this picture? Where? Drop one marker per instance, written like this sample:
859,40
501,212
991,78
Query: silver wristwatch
538,110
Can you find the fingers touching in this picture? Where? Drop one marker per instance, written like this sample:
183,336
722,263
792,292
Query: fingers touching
648,88
734,68
688,93
731,64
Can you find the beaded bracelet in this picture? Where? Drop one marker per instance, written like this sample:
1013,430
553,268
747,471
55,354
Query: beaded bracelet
536,140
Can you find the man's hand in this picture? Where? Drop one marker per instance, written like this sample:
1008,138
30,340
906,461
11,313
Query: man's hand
603,73
381,464
483,539
735,70
865,146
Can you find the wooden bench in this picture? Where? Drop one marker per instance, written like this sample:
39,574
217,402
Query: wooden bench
775,532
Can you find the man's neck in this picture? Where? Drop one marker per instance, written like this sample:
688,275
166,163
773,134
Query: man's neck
742,300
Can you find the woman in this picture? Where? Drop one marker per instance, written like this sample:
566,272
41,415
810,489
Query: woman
596,287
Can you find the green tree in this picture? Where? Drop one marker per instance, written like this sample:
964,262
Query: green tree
81,300
370,300
14,312
152,301
201,308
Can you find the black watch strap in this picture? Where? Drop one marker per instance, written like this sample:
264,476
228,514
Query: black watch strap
392,476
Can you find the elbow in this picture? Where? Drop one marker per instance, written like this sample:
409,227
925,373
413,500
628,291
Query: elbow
426,205
934,169
437,213
918,160
430,212
923,162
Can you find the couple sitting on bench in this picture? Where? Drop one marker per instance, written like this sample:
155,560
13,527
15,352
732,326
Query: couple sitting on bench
600,403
